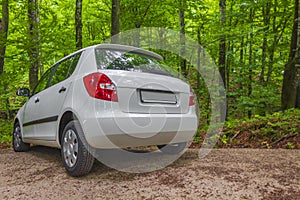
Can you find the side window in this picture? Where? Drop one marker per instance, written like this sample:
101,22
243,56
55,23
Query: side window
61,71
42,84
64,69
73,64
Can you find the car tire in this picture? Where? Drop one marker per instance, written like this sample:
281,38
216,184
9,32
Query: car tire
172,148
75,152
17,141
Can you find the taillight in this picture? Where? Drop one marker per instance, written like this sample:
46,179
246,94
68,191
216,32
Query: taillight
192,98
99,86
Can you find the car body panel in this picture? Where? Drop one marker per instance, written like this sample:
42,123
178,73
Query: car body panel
29,114
50,110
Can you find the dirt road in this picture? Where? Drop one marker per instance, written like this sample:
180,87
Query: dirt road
224,174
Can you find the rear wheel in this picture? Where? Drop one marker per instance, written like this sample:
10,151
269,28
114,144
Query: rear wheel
172,148
17,142
75,152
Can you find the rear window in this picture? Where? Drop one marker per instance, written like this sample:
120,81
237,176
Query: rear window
129,61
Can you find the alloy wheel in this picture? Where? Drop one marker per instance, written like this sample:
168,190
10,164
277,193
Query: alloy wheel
70,148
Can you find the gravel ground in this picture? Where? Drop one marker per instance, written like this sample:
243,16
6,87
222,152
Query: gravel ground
223,174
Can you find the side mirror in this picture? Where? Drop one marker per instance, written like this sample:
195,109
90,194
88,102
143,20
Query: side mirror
23,92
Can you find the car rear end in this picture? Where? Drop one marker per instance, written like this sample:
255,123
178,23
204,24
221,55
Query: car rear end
133,100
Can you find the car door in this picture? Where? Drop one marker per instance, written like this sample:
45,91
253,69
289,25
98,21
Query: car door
30,116
51,99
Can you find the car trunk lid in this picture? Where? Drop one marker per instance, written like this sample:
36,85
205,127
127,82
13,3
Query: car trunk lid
149,93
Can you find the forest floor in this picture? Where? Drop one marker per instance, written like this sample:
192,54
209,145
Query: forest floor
223,174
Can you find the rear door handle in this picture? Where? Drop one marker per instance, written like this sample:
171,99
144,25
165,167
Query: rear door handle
63,89
36,100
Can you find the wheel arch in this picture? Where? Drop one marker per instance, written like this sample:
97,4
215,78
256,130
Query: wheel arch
64,120
16,121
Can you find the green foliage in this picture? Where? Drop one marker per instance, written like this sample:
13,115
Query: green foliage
264,131
9,102
290,145
224,139
6,129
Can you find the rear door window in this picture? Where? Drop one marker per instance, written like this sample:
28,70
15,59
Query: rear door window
64,69
43,82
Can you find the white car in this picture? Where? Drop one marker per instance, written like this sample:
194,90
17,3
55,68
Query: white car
105,97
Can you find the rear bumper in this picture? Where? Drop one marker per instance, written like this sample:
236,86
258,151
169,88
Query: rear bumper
120,130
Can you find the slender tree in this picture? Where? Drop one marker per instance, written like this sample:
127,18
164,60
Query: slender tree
290,96
222,46
181,14
278,30
199,57
41,66
78,23
266,12
139,22
135,14
34,42
297,64
115,21
273,47
250,73
222,52
3,33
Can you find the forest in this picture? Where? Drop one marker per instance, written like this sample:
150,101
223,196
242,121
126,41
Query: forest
255,45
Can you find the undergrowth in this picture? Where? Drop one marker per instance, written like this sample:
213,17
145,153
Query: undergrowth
279,130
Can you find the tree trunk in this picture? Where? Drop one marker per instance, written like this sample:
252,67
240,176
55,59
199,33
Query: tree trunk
138,35
272,53
241,71
41,66
222,46
33,50
222,53
297,65
3,33
230,48
199,57
78,23
181,14
266,13
115,21
298,98
242,63
291,77
139,19
250,61
229,61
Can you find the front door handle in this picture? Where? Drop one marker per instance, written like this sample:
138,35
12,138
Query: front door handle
63,89
36,100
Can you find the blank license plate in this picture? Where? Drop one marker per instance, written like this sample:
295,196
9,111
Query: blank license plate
161,97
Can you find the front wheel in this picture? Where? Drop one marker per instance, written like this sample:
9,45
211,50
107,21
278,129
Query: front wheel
75,151
17,141
172,148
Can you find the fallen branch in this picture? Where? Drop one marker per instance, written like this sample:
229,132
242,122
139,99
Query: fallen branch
285,137
235,136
